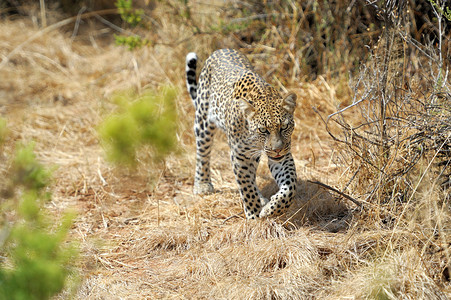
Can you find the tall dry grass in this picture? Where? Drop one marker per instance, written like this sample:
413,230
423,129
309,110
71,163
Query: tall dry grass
143,234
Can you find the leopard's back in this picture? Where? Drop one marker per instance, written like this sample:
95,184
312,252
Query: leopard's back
226,77
220,72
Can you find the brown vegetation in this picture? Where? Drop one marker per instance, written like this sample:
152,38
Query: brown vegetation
143,234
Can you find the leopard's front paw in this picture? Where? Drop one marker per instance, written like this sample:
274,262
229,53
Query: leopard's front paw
203,188
263,201
272,208
266,211
276,206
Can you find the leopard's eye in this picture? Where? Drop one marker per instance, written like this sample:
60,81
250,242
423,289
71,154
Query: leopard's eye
284,126
263,130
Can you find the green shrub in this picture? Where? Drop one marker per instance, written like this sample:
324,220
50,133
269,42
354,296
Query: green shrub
442,9
132,42
36,260
128,14
3,130
148,120
133,18
27,171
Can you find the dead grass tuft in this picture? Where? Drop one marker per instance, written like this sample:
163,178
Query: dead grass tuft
261,288
403,275
171,239
285,264
244,231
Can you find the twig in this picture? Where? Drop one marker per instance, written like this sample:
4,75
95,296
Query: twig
358,203
363,98
43,17
345,141
111,25
231,217
77,23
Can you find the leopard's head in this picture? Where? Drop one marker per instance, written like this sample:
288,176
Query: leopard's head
270,122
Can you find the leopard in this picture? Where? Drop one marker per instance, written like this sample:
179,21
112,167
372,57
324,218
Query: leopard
230,95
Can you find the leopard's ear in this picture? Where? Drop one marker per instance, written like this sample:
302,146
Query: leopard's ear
246,107
289,103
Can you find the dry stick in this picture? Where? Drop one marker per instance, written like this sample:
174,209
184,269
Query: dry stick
51,28
77,22
358,203
231,217
43,17
158,212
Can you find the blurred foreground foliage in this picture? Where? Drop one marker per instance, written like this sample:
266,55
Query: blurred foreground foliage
36,259
129,14
3,130
148,120
132,17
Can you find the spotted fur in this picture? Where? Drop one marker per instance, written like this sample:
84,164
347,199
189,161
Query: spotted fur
256,119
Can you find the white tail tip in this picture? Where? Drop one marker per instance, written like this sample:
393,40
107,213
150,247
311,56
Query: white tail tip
190,56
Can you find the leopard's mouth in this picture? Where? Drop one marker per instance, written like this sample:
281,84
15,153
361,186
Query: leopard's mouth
277,157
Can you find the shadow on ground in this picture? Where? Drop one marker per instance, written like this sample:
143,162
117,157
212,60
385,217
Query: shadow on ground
313,206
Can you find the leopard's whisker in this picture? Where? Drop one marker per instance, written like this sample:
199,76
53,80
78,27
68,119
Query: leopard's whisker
256,155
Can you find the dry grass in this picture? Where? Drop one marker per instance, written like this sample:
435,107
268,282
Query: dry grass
143,234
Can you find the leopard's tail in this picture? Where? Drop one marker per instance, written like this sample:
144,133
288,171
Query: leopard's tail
191,82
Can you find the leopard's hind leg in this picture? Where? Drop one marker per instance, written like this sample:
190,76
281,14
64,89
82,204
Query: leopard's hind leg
204,131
